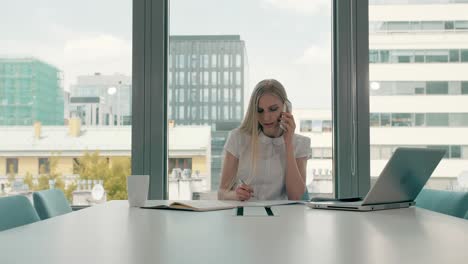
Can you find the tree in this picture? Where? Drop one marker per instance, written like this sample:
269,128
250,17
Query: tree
28,179
91,166
52,174
69,191
116,181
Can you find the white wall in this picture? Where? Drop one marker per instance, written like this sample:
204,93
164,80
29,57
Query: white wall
419,104
418,72
431,12
419,40
418,136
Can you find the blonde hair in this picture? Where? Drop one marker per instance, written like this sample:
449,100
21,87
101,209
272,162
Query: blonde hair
250,125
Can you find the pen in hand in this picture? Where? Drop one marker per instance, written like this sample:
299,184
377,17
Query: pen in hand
243,182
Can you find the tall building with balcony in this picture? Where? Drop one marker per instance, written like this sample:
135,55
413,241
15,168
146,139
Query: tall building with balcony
30,90
206,87
419,86
418,60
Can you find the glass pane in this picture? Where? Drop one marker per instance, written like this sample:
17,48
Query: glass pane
65,98
306,126
461,25
454,55
448,25
454,87
401,56
385,120
437,56
455,152
459,119
437,88
401,119
398,26
464,154
432,25
404,88
464,55
373,56
293,48
420,119
374,119
437,119
464,87
384,56
429,94
419,58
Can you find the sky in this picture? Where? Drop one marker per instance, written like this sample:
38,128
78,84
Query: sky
288,40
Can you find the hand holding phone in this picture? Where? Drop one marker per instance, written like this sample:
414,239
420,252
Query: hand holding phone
287,108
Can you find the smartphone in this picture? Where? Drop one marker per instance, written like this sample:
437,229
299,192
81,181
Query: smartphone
287,108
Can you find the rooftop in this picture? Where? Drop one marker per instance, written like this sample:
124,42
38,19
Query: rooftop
105,139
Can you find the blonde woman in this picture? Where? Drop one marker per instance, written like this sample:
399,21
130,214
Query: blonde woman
264,158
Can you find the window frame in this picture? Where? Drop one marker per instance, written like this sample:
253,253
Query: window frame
351,151
350,93
149,103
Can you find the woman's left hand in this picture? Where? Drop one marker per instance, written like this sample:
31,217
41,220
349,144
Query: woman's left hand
289,125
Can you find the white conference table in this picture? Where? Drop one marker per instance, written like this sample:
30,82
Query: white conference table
114,233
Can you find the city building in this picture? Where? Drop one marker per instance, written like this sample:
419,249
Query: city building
317,125
418,59
418,55
31,91
115,97
206,87
91,110
29,150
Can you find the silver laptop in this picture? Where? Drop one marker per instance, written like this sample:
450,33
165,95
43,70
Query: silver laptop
400,182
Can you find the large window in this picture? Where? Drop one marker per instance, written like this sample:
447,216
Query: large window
418,56
65,98
417,26
419,119
11,166
418,88
417,67
208,42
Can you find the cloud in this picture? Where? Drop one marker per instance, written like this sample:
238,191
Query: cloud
75,53
96,49
306,79
315,55
300,6
103,53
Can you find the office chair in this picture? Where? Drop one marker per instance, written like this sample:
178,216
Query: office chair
16,211
445,202
50,203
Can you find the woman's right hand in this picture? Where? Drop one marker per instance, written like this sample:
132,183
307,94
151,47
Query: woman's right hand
244,192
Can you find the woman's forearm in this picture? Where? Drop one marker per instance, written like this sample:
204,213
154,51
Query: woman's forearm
226,195
295,184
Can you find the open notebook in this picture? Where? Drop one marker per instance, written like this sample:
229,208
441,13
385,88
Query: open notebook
210,205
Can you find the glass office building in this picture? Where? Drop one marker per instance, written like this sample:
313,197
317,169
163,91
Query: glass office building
30,90
206,83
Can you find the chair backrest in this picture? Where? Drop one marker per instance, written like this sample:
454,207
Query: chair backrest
446,202
16,211
50,203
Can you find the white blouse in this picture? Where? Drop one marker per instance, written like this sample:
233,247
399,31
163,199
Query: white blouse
268,181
